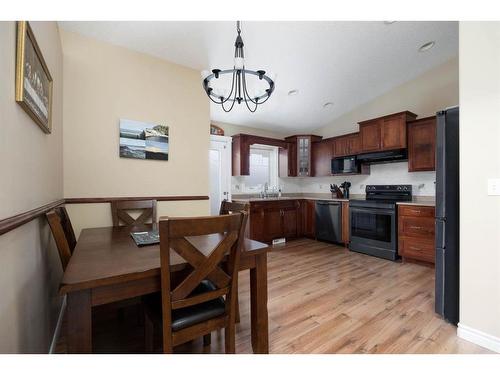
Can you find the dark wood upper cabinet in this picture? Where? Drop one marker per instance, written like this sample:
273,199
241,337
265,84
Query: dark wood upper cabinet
241,151
303,153
346,145
385,133
370,136
422,145
287,161
322,154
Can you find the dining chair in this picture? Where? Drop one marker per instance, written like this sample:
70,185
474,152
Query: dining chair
63,233
204,299
226,208
120,215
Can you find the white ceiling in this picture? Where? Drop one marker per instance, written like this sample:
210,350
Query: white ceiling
347,63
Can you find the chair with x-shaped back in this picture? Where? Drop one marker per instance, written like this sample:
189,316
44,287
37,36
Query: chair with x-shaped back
226,208
202,300
120,215
63,233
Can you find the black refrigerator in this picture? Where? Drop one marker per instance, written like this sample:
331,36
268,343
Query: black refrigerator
447,214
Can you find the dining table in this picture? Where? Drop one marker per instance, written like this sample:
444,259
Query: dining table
107,266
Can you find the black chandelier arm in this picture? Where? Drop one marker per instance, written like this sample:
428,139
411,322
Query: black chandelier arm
245,92
232,104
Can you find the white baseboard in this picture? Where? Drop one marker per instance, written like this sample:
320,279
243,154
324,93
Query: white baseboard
57,331
478,337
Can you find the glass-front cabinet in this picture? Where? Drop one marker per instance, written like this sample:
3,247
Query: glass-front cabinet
299,154
303,156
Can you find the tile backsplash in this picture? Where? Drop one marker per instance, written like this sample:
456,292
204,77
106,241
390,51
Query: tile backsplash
391,173
423,183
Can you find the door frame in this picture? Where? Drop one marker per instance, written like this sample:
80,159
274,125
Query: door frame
228,143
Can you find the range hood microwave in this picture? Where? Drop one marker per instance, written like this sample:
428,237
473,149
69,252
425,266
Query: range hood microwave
383,156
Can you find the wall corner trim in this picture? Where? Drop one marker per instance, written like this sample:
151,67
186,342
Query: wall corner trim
57,330
478,337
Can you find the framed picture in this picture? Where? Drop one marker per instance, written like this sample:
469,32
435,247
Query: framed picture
33,80
140,140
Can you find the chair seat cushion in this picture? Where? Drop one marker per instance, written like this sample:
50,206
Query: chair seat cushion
188,316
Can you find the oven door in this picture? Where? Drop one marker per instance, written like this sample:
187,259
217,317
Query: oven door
373,231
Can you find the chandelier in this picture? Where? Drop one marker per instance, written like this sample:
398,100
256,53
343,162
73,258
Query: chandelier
239,91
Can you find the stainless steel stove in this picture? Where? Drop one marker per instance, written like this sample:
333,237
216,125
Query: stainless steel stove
374,220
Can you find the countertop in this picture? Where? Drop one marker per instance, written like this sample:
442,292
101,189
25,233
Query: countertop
270,199
417,200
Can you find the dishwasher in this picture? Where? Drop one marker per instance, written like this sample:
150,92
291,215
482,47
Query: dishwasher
329,221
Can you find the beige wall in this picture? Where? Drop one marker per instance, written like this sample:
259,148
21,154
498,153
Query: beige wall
479,160
104,83
32,168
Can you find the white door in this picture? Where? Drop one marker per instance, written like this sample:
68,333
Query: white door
219,171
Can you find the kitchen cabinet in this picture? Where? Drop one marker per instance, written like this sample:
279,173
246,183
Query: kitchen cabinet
274,219
422,145
287,161
303,154
241,151
322,154
416,237
308,213
385,133
346,223
347,145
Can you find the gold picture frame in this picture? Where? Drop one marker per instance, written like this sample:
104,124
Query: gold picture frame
33,79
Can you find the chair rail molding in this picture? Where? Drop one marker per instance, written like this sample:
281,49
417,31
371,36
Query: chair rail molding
13,222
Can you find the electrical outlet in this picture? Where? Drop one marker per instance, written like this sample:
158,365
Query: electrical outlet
494,186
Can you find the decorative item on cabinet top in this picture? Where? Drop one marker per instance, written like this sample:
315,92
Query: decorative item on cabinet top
216,130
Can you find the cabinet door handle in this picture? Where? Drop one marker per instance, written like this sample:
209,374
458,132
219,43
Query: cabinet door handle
415,248
417,227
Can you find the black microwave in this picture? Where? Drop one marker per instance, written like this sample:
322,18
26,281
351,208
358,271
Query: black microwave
348,164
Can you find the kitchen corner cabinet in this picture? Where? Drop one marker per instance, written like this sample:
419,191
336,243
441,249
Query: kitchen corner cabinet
300,157
385,133
422,145
416,239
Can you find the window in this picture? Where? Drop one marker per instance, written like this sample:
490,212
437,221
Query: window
263,167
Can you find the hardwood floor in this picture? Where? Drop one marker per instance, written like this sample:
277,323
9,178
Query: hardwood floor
323,299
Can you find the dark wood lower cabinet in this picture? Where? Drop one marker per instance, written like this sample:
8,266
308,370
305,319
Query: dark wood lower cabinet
274,219
308,218
346,223
416,233
291,218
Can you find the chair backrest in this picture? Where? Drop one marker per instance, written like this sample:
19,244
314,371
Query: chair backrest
227,239
230,207
67,227
119,212
59,223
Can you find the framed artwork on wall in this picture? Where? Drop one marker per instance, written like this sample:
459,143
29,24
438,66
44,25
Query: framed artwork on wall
33,79
140,140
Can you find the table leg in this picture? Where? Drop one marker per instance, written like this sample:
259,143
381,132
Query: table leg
79,325
258,299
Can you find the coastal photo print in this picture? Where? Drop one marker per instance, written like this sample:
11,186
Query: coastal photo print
140,140
33,80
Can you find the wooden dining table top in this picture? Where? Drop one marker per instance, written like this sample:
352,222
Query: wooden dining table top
107,255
